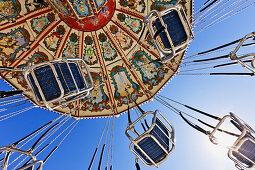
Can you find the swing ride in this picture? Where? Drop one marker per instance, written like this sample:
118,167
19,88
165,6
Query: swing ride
88,59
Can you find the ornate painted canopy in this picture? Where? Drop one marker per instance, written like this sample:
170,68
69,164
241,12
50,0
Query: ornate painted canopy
102,32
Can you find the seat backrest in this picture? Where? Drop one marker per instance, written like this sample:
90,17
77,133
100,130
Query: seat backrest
59,81
245,153
47,82
243,150
153,147
175,29
161,134
170,30
66,79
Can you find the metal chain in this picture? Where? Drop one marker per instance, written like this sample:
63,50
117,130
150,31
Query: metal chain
225,17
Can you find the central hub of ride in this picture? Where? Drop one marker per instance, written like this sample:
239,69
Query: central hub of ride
84,15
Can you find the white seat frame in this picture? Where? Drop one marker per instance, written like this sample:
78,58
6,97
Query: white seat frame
146,134
9,149
239,142
173,51
78,94
233,55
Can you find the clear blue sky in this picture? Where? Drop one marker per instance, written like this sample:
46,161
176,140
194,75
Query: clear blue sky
215,94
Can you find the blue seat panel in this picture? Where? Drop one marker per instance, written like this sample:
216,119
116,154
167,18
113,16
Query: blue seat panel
29,168
247,149
175,29
152,149
149,146
48,83
65,77
159,135
34,87
76,73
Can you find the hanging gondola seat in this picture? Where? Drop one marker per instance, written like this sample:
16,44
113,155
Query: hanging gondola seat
30,166
234,56
170,31
243,150
60,81
154,145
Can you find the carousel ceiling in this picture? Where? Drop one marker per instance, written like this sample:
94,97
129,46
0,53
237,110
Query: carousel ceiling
104,33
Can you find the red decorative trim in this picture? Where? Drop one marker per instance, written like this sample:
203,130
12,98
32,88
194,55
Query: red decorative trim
131,13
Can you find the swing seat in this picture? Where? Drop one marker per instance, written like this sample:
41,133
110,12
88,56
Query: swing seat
170,31
234,56
243,150
154,145
58,81
245,153
31,166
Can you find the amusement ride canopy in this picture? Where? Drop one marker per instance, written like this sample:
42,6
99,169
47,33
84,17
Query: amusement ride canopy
101,58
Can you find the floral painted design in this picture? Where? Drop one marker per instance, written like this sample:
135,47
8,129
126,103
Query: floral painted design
109,52
9,9
137,5
81,7
52,40
152,73
97,99
89,51
124,86
123,39
39,24
150,40
38,57
70,49
11,43
99,3
32,5
162,5
133,23
105,12
59,4
94,20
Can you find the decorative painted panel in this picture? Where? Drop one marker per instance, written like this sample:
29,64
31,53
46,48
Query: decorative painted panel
97,100
152,72
51,41
124,85
123,39
133,23
109,53
11,43
89,51
71,47
9,9
137,5
40,23
81,7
